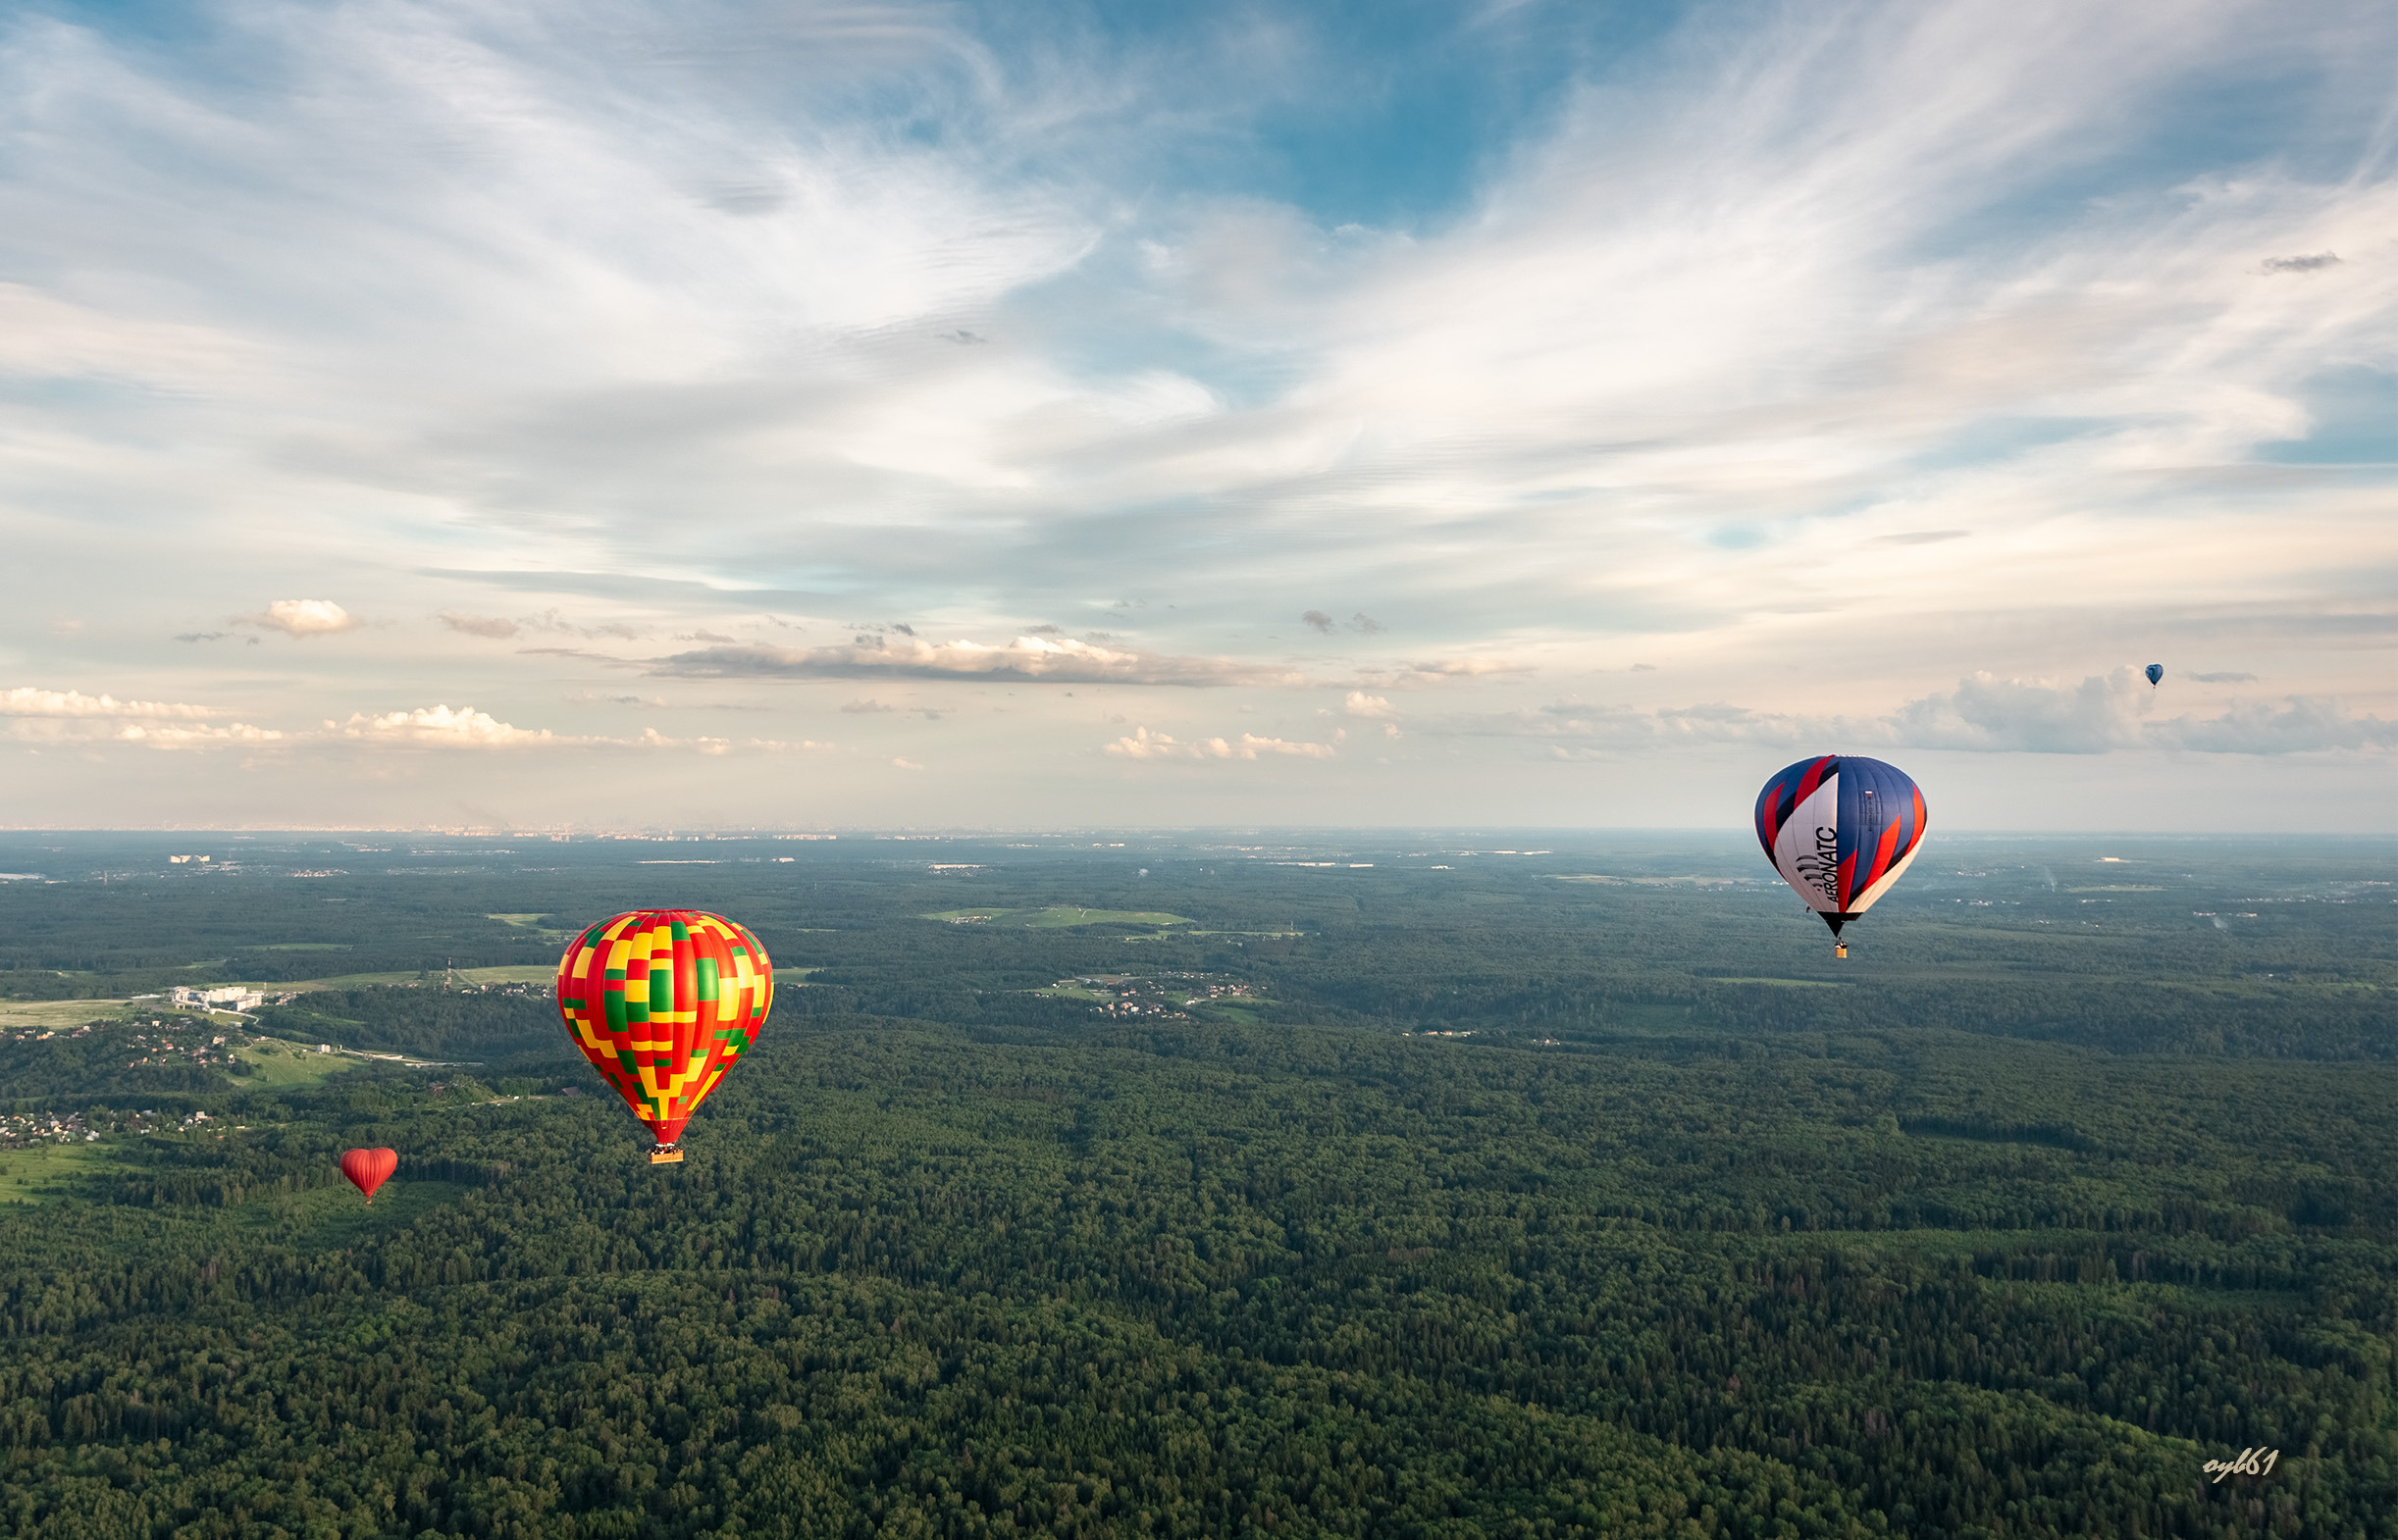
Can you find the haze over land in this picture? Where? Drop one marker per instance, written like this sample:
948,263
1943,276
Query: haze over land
630,414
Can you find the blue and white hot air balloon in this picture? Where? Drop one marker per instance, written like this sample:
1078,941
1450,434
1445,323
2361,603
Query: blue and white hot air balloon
2155,672
1840,829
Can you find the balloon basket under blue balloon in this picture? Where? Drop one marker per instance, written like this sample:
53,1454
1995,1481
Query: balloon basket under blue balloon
665,1155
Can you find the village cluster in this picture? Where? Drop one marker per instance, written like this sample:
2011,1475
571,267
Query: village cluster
21,1129
162,1042
1158,995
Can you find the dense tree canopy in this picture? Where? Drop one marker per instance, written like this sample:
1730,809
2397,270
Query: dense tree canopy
1693,1235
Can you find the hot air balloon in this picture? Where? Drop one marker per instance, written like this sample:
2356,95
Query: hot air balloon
663,1001
368,1169
2155,672
1840,829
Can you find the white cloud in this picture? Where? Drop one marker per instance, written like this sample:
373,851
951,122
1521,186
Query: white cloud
237,734
26,700
1359,703
442,727
2304,726
302,618
1145,744
1837,333
439,727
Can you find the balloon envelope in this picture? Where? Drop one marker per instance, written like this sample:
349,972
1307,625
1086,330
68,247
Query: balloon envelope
663,1001
368,1169
1840,829
2155,672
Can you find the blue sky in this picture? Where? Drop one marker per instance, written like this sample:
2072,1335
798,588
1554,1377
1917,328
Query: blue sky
1025,415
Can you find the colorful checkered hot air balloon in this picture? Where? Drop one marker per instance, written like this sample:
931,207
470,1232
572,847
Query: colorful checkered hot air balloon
1840,829
663,1001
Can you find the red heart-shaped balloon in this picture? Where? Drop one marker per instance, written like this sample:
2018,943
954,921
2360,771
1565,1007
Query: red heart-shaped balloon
368,1169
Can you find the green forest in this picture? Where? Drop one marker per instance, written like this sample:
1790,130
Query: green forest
1271,1185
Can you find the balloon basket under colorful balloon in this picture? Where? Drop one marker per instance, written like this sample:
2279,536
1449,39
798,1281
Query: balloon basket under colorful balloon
665,1155
1840,949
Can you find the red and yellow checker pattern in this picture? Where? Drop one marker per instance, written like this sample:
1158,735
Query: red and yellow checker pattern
663,1001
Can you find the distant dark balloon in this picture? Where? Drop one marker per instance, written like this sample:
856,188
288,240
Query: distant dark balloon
2155,672
1840,829
368,1169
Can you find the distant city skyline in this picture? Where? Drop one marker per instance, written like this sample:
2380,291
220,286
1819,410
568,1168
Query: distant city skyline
1017,417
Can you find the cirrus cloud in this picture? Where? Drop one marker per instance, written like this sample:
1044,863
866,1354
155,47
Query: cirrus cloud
1028,659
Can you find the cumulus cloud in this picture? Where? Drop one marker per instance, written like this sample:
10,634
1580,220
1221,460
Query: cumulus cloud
2306,725
1317,620
1984,713
27,701
1359,703
1145,744
465,727
301,618
492,626
68,716
2111,711
439,727
1028,659
236,735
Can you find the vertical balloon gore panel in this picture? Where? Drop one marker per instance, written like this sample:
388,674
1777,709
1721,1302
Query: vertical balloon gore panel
662,1003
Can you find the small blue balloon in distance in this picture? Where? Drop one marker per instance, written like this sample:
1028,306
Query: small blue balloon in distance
2155,672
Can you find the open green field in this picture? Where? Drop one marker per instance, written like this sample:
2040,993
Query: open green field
513,973
277,1063
64,1015
39,1173
1058,916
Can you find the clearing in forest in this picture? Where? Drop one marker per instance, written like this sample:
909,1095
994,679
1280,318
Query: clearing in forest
1056,916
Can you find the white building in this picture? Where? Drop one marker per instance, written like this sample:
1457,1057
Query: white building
231,997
